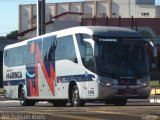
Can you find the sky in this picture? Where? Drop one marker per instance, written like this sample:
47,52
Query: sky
9,13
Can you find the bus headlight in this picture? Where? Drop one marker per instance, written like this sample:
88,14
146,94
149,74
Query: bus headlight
145,81
105,81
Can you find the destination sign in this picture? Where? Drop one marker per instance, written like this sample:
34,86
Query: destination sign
108,40
13,74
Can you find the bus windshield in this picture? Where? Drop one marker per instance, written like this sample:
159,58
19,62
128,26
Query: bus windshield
121,57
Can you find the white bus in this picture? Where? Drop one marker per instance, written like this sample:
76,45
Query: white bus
77,64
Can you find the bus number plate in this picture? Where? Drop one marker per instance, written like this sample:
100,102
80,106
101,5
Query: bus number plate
90,92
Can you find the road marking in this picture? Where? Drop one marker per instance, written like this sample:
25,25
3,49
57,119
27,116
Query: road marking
10,101
75,117
17,101
116,113
154,100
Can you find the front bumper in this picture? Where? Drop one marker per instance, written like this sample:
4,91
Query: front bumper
129,92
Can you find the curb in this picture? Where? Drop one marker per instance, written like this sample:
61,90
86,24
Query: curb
154,100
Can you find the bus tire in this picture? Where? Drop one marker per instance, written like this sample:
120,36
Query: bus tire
59,103
75,100
23,100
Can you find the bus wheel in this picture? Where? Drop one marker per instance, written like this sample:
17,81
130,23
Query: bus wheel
75,100
59,103
23,100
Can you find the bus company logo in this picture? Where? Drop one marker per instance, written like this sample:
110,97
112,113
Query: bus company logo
108,40
13,74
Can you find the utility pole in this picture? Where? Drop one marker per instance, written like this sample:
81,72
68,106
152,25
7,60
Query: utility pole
43,26
40,17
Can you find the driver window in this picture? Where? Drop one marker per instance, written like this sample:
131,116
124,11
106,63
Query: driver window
86,52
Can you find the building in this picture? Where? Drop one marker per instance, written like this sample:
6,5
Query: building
89,8
62,21
129,8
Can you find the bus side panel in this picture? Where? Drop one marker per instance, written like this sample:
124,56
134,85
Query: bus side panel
41,90
46,80
68,71
41,80
12,78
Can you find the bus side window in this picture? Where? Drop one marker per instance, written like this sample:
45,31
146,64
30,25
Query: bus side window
58,50
65,49
18,56
28,54
31,51
49,46
8,59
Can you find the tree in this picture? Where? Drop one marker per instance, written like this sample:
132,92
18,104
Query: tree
12,35
2,37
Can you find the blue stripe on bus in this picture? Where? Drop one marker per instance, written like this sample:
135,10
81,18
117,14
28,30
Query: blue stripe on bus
77,78
60,79
13,82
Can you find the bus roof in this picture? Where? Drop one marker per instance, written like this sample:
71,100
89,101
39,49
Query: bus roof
113,31
104,30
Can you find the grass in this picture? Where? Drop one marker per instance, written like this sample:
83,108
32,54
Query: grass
1,90
154,84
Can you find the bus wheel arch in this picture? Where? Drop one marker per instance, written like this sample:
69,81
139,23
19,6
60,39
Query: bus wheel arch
19,89
74,95
71,85
22,97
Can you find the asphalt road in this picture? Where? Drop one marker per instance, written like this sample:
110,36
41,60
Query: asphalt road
11,110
